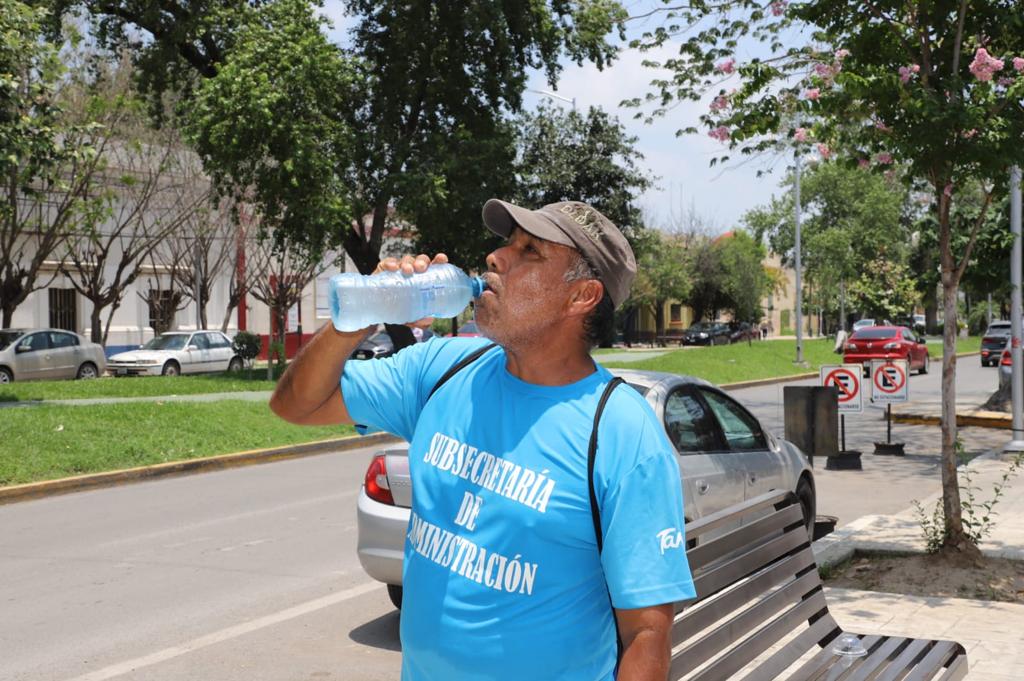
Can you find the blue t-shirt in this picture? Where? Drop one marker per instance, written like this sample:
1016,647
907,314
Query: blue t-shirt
502,577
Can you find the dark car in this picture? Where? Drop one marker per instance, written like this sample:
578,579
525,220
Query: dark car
380,344
707,333
469,329
743,331
887,342
993,341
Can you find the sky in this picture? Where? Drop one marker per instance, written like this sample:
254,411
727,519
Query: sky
685,181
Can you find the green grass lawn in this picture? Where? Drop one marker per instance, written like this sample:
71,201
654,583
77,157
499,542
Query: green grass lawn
969,344
740,362
141,386
49,442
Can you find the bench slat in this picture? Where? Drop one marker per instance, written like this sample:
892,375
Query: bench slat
751,562
878,658
820,663
748,650
709,611
782,659
940,654
957,668
906,660
725,516
752,533
743,623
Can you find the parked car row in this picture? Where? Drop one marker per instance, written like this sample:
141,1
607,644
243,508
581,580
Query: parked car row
719,333
52,354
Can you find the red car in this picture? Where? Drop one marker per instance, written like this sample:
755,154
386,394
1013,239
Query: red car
887,342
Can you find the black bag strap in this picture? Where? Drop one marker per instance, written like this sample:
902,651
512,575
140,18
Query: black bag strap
595,511
462,364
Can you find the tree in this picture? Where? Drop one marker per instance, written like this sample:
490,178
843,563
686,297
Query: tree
661,273
934,86
849,215
48,155
745,282
884,290
566,155
280,276
706,296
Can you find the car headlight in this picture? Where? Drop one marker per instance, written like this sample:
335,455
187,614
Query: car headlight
149,361
702,335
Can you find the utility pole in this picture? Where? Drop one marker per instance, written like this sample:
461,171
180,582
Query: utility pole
799,284
1017,375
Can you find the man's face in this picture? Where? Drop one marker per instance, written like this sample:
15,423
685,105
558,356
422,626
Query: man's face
526,289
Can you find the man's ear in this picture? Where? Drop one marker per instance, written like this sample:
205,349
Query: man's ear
586,295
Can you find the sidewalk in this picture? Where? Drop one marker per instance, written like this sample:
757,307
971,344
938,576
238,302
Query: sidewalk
968,411
991,632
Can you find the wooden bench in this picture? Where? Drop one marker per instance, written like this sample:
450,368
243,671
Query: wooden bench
760,611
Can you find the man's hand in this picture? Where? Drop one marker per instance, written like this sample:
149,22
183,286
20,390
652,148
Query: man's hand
646,642
410,265
309,392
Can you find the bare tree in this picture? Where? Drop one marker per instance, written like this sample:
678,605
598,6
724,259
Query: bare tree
240,260
130,212
164,296
282,270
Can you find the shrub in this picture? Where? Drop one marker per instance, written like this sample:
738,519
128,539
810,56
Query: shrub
246,345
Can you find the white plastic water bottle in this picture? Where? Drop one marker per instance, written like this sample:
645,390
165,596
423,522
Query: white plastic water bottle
359,300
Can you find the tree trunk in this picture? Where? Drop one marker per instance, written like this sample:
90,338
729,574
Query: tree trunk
659,318
227,318
955,538
8,316
95,324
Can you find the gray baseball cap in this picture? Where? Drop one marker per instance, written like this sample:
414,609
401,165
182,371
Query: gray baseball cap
577,225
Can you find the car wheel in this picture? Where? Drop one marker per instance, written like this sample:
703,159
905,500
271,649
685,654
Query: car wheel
235,364
6,376
172,368
395,594
87,370
805,494
924,368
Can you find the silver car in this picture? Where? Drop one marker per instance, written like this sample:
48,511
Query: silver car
48,354
725,456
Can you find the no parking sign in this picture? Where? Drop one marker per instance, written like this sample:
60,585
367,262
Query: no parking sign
889,381
846,379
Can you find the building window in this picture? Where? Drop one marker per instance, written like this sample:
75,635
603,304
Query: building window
675,313
162,306
63,309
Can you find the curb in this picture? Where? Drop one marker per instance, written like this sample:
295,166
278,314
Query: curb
767,381
974,420
78,483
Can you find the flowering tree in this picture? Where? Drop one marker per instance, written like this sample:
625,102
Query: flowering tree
934,86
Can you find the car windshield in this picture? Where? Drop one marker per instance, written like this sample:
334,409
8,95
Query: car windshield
169,342
873,334
998,329
699,326
8,337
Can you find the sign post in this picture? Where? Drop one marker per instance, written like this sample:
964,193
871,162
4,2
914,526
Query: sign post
890,384
846,379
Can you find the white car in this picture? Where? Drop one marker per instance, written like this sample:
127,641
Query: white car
178,352
863,324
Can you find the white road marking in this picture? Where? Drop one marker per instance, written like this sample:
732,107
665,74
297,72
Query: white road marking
127,666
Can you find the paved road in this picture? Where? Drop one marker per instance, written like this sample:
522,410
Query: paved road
251,575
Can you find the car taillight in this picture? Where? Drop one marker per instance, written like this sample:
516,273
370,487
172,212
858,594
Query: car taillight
891,346
376,482
1006,361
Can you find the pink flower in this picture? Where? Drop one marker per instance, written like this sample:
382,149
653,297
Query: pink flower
890,175
779,7
842,54
800,135
824,150
882,126
812,93
883,158
1018,64
720,102
968,134
823,70
948,189
721,133
1005,82
726,65
863,163
984,65
907,72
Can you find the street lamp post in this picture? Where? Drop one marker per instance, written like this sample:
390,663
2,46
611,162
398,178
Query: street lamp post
799,285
